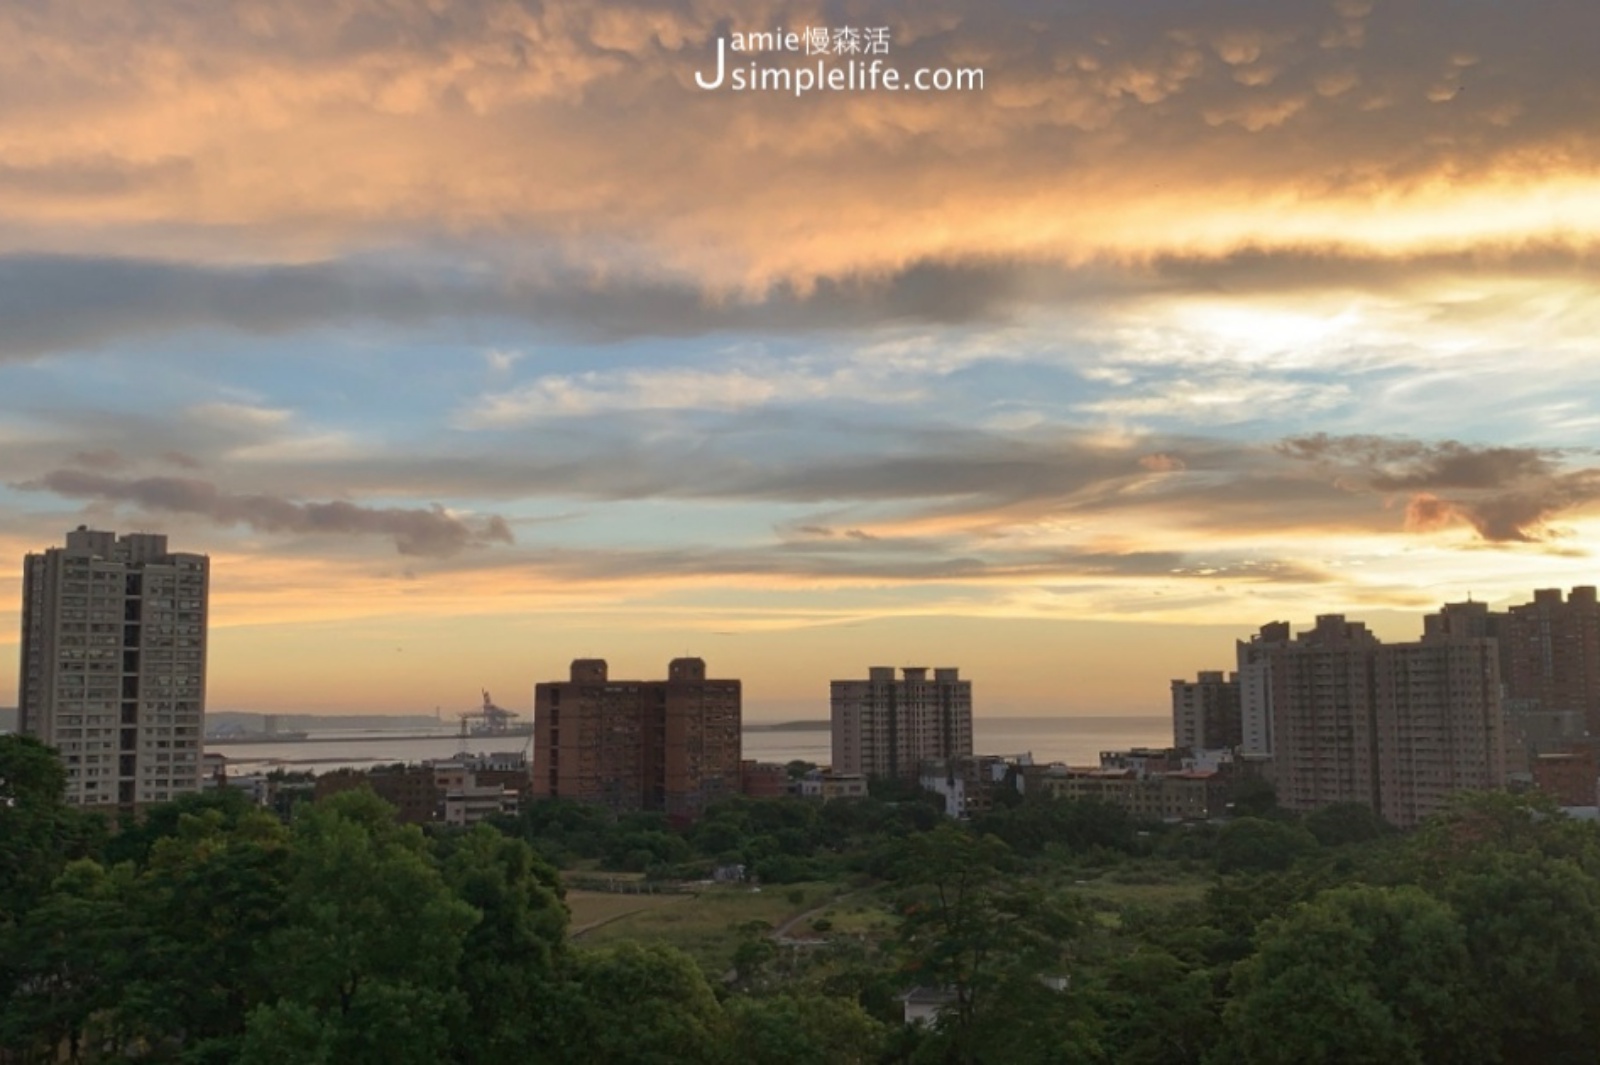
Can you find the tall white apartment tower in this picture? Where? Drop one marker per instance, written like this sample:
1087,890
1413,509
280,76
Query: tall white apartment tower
114,664
887,727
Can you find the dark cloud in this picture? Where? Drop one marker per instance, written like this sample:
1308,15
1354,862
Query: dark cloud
931,562
58,303
1255,270
415,531
52,304
103,459
55,303
1506,494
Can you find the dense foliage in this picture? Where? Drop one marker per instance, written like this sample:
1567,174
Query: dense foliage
211,931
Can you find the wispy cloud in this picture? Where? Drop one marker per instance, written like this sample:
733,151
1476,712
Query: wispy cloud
415,531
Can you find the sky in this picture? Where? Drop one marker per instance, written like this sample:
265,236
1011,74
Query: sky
471,337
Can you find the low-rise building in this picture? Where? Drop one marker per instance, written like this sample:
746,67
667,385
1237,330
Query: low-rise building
1569,775
763,780
411,790
470,803
968,784
828,786
1177,795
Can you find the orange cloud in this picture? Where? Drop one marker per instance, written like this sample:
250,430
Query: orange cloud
305,129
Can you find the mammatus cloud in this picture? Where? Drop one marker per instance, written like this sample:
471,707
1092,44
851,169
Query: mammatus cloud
1130,131
1506,494
432,531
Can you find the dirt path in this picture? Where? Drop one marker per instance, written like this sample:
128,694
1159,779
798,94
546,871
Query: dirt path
781,933
666,900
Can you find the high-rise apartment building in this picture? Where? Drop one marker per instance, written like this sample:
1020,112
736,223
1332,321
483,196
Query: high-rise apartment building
1549,667
113,672
1205,712
1396,727
887,727
672,745
1439,723
1550,654
1323,716
1254,662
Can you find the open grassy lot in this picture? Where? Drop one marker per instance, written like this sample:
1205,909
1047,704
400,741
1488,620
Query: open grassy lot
1173,894
706,924
590,909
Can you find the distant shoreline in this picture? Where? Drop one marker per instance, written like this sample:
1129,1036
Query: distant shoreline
789,726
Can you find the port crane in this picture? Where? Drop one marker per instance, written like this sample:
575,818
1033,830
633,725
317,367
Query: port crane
492,720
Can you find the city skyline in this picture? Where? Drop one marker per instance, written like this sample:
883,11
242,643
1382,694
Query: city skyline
466,344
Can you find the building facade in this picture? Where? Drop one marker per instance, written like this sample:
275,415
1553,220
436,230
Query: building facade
887,727
1254,658
113,670
1439,723
1395,727
1206,712
1174,794
1550,652
672,745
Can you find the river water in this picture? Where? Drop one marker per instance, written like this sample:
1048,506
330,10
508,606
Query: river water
1075,740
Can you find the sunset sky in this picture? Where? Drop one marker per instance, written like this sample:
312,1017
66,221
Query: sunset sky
470,337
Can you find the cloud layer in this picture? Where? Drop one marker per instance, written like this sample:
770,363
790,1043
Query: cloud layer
433,531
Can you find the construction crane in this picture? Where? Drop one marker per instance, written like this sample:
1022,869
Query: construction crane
493,720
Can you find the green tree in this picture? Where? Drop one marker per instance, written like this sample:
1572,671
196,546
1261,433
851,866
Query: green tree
512,953
1532,925
371,938
1358,975
968,925
1253,844
39,832
788,1028
212,894
1346,823
66,962
636,1004
1158,1010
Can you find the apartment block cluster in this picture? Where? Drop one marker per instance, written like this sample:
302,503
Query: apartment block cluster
113,675
675,745
1482,700
918,728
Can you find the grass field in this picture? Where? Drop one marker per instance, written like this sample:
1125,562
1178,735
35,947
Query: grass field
591,909
1166,894
706,925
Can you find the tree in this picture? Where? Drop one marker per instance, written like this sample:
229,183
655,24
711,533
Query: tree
968,926
211,896
39,832
1532,926
65,963
798,767
512,953
1346,823
1252,844
789,1028
1358,975
371,938
1158,1009
640,1005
